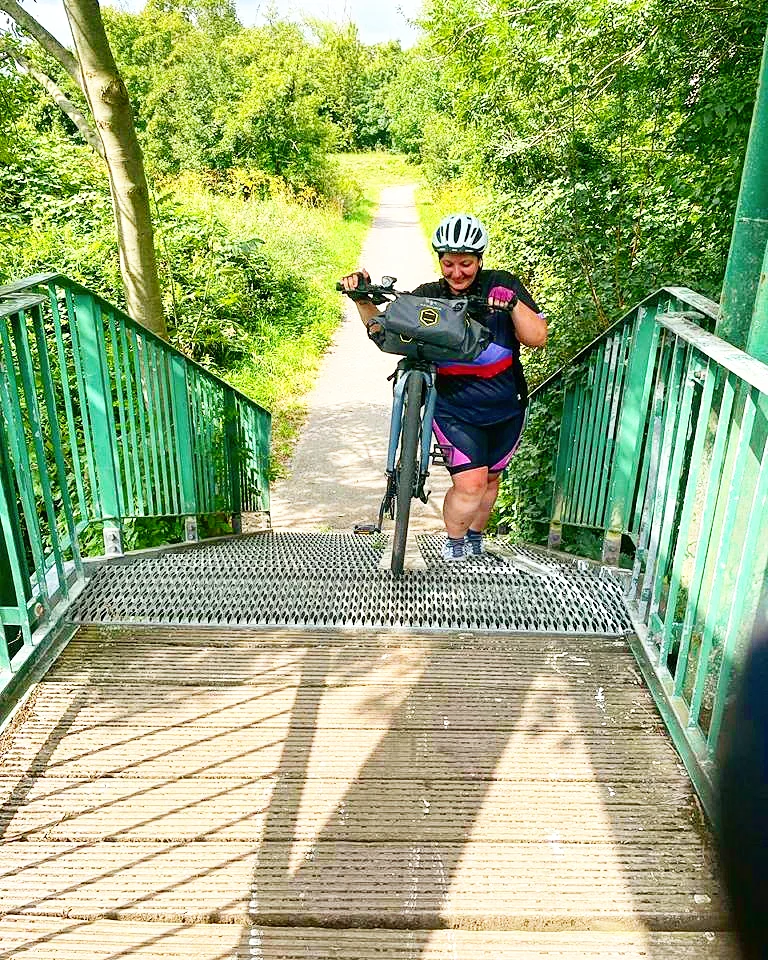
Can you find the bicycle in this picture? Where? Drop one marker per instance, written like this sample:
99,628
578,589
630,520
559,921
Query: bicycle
410,431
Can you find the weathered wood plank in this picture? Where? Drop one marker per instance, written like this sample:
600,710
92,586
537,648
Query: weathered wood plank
50,938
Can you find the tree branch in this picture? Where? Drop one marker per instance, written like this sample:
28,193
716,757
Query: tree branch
47,41
61,100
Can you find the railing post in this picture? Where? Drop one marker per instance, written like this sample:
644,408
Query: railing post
629,432
233,458
757,343
15,588
750,229
98,396
184,445
562,467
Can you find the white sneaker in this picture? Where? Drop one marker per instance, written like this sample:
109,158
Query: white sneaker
451,552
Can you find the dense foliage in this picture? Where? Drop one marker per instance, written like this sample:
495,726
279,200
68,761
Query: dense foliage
601,140
254,218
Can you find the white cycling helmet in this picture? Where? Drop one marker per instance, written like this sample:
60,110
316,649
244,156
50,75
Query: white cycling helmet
460,233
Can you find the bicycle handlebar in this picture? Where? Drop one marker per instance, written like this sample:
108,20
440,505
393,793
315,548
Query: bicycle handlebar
381,295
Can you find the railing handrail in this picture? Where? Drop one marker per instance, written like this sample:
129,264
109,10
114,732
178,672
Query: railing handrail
9,304
661,448
700,304
748,368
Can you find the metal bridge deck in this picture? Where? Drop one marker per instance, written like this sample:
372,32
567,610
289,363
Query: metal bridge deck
335,580
284,794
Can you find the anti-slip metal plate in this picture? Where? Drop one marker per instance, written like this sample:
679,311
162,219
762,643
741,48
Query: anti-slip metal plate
334,580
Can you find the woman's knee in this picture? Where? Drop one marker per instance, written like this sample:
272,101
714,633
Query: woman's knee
471,483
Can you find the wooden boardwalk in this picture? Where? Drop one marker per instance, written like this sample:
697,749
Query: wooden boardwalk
286,794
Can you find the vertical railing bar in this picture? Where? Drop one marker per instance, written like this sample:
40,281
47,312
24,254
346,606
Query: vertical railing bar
680,435
58,451
166,432
101,343
668,432
19,322
598,459
643,452
14,561
705,528
161,427
96,511
686,516
129,506
130,384
156,481
11,403
200,441
69,412
642,480
563,466
755,532
571,515
617,398
598,396
143,405
194,420
212,452
653,458
652,455
721,556
585,447
174,460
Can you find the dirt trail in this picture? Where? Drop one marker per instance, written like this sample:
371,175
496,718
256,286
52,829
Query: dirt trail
337,471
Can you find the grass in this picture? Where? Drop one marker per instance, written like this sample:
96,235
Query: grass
317,244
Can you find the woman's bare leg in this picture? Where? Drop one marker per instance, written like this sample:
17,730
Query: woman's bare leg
464,501
483,512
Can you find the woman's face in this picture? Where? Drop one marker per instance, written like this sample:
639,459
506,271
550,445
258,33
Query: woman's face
460,270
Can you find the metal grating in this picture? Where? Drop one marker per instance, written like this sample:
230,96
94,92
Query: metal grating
333,580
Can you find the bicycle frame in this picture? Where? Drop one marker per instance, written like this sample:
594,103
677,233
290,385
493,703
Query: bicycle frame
409,368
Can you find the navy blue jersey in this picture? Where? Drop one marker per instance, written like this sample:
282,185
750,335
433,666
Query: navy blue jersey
492,387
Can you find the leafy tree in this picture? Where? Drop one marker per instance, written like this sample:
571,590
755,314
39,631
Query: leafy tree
95,72
607,139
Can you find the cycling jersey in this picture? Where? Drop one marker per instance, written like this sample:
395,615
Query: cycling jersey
491,388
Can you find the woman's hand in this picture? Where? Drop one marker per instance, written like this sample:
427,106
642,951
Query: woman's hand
530,327
352,280
501,298
365,307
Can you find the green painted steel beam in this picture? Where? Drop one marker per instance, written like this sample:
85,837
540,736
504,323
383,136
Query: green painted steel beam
757,340
750,229
637,388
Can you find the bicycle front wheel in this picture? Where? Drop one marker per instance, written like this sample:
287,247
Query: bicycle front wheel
407,468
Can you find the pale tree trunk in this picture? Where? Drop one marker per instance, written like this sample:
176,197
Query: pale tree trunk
111,109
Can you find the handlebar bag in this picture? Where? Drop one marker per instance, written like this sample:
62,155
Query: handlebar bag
431,329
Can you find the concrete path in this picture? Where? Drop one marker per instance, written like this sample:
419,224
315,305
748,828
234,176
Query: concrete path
301,795
337,472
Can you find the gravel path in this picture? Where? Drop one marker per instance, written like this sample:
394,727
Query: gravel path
337,471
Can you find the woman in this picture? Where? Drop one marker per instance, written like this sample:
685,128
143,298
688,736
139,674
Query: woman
481,405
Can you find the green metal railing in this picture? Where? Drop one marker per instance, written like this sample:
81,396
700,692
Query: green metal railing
664,440
101,422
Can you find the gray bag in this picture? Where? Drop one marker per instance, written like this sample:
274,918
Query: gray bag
431,329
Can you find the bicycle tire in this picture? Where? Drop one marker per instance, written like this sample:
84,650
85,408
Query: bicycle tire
406,469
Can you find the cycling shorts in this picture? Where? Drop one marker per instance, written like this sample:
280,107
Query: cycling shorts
466,446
